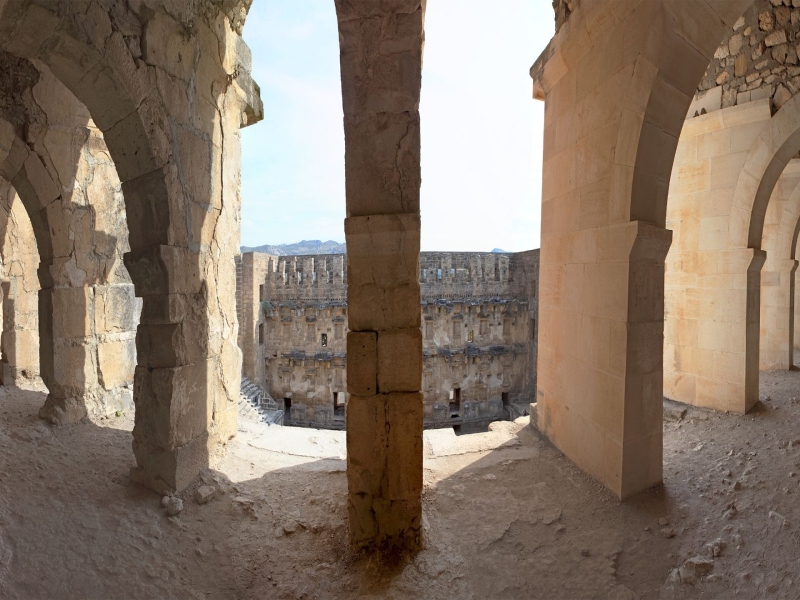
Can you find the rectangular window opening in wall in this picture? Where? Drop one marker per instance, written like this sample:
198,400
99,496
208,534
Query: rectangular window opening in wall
428,330
337,331
262,294
455,403
424,274
456,330
504,397
506,327
471,336
311,334
484,327
338,403
261,333
438,273
324,340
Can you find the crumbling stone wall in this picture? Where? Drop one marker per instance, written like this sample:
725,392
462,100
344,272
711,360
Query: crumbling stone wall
478,333
71,189
758,58
168,86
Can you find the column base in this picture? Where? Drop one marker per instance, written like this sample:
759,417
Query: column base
62,411
168,471
384,472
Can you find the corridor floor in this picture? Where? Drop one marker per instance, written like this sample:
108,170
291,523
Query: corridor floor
518,522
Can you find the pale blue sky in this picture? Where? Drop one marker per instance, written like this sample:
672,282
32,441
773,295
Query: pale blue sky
481,129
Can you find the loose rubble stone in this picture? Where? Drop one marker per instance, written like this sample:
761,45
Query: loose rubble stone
174,506
716,548
204,494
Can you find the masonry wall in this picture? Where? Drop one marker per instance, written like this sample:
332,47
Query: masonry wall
479,333
778,273
704,347
20,287
759,58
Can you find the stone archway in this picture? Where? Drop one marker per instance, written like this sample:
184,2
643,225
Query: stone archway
782,219
169,108
20,259
70,190
618,79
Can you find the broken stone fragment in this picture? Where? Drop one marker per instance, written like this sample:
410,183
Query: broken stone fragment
290,527
699,566
204,494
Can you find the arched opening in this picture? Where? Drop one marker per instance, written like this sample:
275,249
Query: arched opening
181,198
601,303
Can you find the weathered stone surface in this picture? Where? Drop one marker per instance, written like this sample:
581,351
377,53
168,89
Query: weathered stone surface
362,348
478,311
400,360
165,84
381,64
384,463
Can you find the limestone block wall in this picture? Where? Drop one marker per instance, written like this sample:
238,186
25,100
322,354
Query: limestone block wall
168,85
478,332
708,285
524,268
618,79
778,274
73,197
20,287
252,270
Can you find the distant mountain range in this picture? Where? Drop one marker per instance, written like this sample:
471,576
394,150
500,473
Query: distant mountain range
311,247
304,247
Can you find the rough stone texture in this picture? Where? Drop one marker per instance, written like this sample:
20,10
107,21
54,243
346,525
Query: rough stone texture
757,58
381,63
72,195
479,333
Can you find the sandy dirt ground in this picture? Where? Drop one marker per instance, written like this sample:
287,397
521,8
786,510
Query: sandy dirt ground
517,522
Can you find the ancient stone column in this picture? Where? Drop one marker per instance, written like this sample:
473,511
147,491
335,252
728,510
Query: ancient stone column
776,349
381,62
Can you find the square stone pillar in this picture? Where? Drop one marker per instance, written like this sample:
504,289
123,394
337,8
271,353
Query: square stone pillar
776,349
381,65
65,363
601,315
384,378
